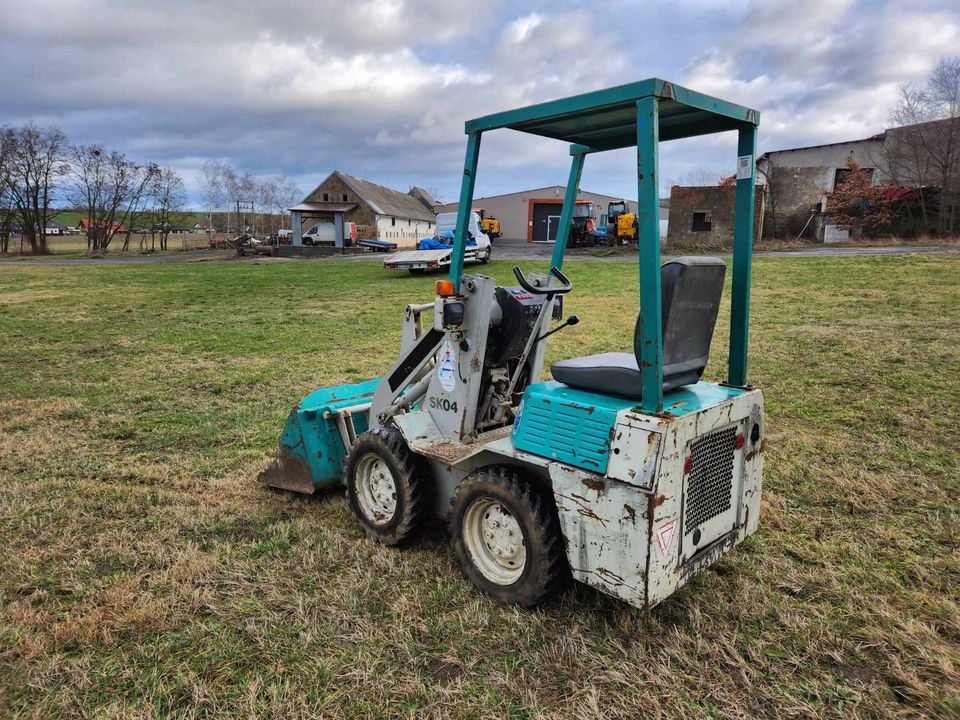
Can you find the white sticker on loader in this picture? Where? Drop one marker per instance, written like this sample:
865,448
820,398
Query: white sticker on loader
665,537
447,367
744,167
518,418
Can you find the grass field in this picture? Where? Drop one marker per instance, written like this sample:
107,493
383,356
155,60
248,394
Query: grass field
72,218
145,574
75,245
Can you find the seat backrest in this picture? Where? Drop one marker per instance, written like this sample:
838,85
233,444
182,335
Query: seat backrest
691,288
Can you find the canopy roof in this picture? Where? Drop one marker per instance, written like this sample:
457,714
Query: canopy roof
326,207
607,119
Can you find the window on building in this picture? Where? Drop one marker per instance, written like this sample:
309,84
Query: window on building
326,197
344,196
840,175
409,223
393,222
702,221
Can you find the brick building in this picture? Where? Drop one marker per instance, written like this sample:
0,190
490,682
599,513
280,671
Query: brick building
701,218
797,181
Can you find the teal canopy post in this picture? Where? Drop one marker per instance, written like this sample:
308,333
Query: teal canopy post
648,241
566,215
742,255
465,207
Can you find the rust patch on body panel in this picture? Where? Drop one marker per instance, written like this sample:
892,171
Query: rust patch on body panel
597,485
630,513
610,575
756,451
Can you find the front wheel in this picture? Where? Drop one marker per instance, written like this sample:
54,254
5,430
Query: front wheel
507,537
486,258
384,489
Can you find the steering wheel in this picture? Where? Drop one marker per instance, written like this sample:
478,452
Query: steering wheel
563,289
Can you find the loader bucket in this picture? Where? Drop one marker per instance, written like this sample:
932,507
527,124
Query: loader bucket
311,452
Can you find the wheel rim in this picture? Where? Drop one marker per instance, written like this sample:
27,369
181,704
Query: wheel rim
376,490
495,541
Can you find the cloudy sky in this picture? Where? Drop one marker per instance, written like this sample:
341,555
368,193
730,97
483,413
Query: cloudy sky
381,88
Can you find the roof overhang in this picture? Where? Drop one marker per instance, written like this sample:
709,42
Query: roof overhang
322,207
607,119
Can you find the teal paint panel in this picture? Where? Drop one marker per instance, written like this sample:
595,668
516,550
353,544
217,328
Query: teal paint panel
569,425
575,426
566,215
315,440
742,257
689,399
465,207
650,352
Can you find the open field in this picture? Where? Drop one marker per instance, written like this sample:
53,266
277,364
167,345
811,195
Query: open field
75,245
145,574
72,218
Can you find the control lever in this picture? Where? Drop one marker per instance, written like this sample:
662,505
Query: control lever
571,321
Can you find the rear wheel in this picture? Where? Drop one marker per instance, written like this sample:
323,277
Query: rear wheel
507,537
384,490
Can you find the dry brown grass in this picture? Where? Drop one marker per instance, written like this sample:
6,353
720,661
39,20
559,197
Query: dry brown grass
145,574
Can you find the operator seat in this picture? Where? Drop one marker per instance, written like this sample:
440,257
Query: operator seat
690,288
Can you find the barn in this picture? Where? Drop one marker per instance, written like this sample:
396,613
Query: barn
379,212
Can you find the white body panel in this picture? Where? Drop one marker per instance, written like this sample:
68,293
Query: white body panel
629,537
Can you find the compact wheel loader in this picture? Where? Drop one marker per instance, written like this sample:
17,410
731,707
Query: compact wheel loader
627,471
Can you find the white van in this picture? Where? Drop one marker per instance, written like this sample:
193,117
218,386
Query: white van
323,233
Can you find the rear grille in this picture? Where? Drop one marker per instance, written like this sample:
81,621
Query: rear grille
710,485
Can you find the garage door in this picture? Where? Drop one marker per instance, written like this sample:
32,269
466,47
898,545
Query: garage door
546,220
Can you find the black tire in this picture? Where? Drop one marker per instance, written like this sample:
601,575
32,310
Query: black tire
486,258
545,570
387,446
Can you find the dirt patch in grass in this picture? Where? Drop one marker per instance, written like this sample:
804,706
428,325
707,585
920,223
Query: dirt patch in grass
146,574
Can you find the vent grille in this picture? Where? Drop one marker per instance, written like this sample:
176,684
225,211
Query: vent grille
710,485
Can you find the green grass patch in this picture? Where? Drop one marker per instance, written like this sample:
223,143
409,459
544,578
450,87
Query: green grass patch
145,573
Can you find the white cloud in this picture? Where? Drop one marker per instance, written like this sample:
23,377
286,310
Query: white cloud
382,87
519,30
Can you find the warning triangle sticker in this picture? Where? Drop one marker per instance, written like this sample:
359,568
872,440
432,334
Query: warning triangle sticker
665,536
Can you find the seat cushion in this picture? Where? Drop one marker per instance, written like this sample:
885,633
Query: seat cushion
608,373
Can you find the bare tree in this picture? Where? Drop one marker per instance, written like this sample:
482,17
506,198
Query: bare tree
109,187
266,191
7,208
34,168
288,194
167,199
922,150
700,177
773,176
211,187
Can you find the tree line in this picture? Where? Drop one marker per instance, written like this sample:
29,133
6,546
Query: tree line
225,192
41,170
